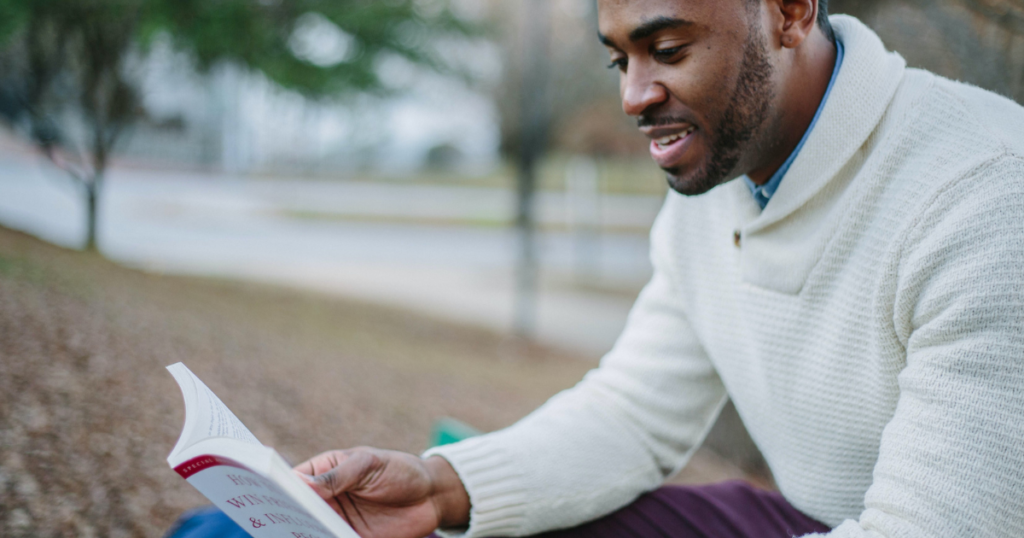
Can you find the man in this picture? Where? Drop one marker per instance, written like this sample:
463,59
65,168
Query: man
858,291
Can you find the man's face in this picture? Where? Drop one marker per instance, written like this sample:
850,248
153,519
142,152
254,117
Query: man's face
696,74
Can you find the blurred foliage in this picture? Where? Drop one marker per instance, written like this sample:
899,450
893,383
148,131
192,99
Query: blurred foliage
68,68
56,53
257,34
254,33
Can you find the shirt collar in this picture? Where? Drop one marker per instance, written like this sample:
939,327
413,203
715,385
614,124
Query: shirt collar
763,193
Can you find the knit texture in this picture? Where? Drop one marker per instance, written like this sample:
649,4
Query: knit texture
869,328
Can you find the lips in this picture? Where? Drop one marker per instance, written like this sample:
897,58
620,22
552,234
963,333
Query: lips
669,145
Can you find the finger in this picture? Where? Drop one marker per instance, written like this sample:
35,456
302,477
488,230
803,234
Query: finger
343,504
322,462
355,506
342,512
347,474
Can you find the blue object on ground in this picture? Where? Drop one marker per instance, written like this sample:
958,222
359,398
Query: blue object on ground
448,430
206,522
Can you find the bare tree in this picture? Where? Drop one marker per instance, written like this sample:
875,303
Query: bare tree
554,96
533,134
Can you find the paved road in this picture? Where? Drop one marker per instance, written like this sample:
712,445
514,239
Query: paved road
386,243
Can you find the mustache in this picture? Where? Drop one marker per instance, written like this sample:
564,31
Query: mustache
645,120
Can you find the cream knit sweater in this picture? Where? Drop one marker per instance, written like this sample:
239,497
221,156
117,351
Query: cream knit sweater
869,328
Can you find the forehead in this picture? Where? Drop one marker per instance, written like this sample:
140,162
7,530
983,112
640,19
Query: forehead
618,18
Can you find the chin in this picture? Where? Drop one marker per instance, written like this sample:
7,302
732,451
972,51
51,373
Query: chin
690,183
712,171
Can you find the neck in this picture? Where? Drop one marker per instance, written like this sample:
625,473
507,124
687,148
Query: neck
808,73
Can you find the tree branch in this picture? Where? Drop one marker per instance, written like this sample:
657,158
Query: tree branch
77,171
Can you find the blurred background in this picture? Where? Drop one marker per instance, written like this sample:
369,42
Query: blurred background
350,218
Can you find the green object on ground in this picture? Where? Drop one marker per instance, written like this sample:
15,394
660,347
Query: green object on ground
448,430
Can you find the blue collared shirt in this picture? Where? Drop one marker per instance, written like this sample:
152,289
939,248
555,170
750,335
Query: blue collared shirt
763,193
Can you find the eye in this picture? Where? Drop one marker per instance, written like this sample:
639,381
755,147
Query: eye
619,63
668,55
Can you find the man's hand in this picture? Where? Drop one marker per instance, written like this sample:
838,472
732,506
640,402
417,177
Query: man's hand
388,494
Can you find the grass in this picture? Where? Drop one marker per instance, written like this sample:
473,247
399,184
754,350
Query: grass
87,413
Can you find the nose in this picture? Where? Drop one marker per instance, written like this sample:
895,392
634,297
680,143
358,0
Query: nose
640,92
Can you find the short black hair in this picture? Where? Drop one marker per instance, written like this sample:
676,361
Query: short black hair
823,22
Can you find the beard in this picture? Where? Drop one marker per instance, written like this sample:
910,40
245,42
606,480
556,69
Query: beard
743,118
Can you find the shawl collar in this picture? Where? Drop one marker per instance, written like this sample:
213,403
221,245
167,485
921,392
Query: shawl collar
866,84
782,243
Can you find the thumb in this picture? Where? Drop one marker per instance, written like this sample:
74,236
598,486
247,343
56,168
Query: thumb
306,478
347,475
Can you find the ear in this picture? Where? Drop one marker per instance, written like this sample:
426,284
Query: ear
793,20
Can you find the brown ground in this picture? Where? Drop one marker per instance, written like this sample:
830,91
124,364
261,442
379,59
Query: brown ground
88,414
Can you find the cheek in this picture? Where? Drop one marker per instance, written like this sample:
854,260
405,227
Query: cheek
704,83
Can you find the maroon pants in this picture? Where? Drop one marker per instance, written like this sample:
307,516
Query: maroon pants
726,510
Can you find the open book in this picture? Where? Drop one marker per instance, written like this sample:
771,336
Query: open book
251,483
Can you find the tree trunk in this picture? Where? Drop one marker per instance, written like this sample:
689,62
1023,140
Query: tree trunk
526,272
531,146
91,214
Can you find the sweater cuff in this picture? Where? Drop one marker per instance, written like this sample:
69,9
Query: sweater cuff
497,493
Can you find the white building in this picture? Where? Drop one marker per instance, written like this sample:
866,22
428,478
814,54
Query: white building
243,123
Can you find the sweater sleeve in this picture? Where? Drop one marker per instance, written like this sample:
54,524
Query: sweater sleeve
951,461
594,448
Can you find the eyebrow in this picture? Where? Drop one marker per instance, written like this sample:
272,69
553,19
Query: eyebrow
648,28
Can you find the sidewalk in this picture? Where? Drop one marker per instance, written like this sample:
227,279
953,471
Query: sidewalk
436,250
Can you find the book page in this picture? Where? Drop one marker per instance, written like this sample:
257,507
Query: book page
205,415
219,420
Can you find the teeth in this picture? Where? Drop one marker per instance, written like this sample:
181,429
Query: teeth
666,140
